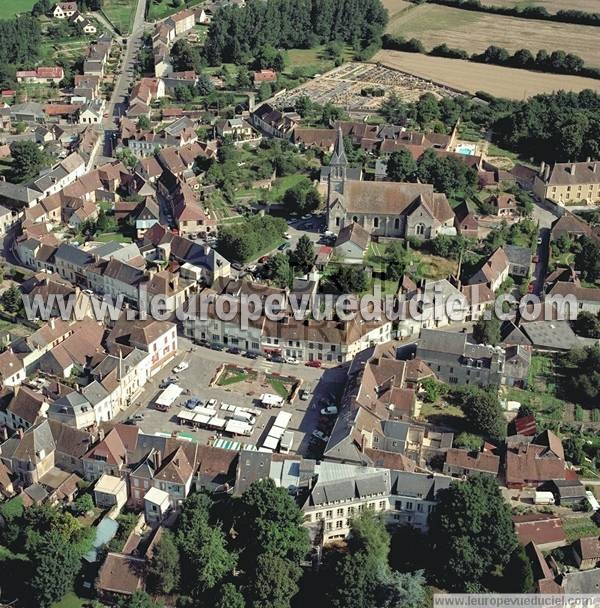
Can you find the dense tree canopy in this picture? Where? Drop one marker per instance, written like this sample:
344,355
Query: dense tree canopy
473,533
236,32
482,410
247,239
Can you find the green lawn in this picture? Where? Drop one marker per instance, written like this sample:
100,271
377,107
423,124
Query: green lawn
231,377
120,13
541,394
159,9
579,527
71,600
109,237
312,61
279,387
10,8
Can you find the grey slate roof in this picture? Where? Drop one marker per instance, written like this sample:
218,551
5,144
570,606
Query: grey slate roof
72,255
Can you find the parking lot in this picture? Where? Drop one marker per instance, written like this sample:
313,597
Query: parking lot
324,386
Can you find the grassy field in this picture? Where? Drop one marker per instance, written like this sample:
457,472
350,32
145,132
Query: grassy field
312,61
472,77
120,13
552,6
475,31
159,9
10,8
579,527
71,600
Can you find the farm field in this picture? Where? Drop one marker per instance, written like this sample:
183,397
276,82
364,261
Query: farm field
496,80
10,8
552,6
120,13
474,32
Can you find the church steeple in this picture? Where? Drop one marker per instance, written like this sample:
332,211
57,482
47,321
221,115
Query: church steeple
339,161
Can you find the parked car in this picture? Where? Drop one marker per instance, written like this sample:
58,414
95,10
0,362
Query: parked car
320,435
250,355
237,266
314,363
166,382
211,403
234,350
292,361
304,395
181,367
216,347
277,359
193,402
331,410
283,246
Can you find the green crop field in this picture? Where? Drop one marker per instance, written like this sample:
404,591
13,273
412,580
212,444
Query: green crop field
120,13
10,8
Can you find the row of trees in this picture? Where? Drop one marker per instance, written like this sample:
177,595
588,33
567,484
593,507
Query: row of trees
525,12
236,32
556,62
21,41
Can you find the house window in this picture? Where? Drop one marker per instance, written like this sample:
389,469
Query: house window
420,229
355,218
397,224
375,222
337,221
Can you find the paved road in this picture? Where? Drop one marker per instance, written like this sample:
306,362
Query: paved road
118,102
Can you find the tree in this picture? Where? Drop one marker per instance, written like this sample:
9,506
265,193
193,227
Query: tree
302,197
402,590
163,571
279,271
82,505
393,109
229,597
472,530
587,325
274,582
574,452
434,390
140,599
427,109
204,86
483,411
518,575
587,259
269,521
468,441
584,373
487,331
303,255
401,167
144,123
28,159
347,279
55,563
205,557
11,299
41,7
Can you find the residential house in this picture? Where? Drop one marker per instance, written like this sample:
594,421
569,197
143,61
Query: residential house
568,183
493,271
532,461
586,552
504,205
21,406
462,463
273,122
519,260
110,455
92,112
43,75
545,530
12,370
157,506
110,491
159,338
352,243
63,10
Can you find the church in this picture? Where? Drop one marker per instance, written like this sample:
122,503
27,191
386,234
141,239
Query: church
387,209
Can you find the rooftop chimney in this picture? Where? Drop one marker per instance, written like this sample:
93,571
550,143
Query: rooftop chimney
572,169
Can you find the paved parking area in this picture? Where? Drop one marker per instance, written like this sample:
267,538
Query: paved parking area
325,386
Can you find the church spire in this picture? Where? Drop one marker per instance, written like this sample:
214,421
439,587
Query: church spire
339,155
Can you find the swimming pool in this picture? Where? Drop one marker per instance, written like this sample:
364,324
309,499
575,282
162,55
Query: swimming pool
466,149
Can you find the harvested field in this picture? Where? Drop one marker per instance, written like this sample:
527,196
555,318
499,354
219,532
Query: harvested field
472,77
474,32
396,6
552,6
